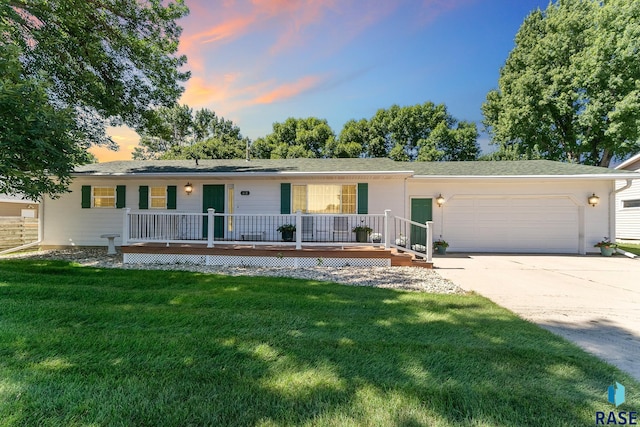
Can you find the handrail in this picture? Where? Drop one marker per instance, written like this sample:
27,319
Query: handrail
220,227
405,230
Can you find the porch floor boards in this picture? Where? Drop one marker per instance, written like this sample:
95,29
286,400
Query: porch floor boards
397,259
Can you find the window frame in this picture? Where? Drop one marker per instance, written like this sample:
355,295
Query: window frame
635,204
94,197
152,197
295,198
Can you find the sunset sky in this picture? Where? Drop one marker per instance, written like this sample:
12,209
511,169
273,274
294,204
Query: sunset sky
257,62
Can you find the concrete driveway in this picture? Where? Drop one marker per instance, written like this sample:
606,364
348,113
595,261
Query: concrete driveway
593,301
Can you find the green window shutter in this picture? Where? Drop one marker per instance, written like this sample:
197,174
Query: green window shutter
143,201
172,197
285,198
363,198
86,196
121,196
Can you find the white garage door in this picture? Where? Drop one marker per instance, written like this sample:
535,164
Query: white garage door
511,224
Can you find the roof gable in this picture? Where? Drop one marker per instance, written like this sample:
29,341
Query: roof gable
632,164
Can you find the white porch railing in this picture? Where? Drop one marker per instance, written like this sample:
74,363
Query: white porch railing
413,237
262,229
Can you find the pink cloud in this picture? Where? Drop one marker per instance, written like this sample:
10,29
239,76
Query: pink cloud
288,90
126,138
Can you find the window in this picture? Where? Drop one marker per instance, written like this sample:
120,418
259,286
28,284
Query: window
158,197
104,197
316,198
631,203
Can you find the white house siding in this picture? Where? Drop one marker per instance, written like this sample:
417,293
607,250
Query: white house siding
627,219
66,223
517,215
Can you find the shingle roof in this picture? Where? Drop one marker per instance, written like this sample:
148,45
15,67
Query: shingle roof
524,168
257,166
507,168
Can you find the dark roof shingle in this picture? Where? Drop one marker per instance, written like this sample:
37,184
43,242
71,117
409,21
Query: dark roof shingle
521,168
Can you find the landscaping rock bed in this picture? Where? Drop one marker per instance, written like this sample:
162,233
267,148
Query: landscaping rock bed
406,278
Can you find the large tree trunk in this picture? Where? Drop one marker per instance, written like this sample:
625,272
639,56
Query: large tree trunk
605,160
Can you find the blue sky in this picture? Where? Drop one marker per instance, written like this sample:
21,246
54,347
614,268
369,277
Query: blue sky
257,62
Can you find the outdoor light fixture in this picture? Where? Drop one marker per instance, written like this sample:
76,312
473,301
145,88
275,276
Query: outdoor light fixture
593,199
188,188
440,200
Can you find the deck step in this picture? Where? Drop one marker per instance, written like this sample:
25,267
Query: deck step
401,260
408,260
420,263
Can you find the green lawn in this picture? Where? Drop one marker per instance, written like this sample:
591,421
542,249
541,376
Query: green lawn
630,247
82,346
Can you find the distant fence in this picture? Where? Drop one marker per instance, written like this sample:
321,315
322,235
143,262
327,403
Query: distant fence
17,231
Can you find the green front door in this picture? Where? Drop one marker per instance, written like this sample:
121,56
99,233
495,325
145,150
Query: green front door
421,211
213,197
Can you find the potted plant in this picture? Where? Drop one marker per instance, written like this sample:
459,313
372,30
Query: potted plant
607,247
362,233
376,237
287,231
440,246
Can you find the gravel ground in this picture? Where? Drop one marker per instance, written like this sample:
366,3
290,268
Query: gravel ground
406,278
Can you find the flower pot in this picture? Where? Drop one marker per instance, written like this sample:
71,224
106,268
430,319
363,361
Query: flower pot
287,235
607,250
442,250
362,236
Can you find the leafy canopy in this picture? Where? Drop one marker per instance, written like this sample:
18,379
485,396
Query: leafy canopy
570,88
26,114
423,132
182,133
88,64
295,138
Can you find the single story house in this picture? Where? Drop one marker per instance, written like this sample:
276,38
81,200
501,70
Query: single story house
628,203
535,206
15,206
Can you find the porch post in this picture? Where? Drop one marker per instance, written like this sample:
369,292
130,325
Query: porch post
429,242
387,232
125,227
210,228
298,229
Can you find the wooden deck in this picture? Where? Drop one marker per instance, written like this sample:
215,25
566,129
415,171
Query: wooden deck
316,252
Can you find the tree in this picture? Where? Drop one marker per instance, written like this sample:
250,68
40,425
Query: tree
38,140
173,127
569,89
424,132
295,138
90,64
224,147
351,141
182,134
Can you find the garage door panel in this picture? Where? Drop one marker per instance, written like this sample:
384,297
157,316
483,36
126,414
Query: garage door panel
504,224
